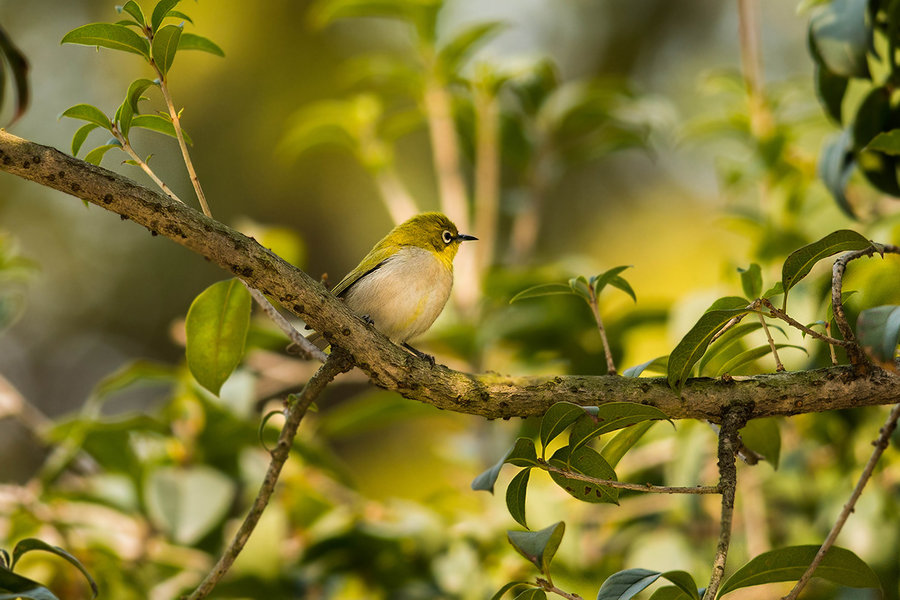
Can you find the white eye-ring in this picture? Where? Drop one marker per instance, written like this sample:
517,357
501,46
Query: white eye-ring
447,237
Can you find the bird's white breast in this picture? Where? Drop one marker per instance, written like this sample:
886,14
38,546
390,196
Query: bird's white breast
404,295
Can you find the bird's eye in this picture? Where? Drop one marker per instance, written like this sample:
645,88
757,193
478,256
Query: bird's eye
447,237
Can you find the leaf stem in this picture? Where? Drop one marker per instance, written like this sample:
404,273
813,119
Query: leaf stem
306,348
779,367
595,310
880,445
127,147
635,487
780,314
548,586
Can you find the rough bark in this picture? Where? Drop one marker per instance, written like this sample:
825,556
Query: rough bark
490,395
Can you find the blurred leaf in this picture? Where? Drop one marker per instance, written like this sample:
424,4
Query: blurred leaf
839,566
160,12
871,116
579,286
880,170
627,584
177,14
557,418
539,547
515,496
502,591
775,290
800,262
693,345
830,90
463,44
836,164
109,35
80,135
188,502
132,8
522,454
611,277
165,45
544,289
840,38
30,544
160,125
86,112
751,355
532,594
763,437
14,58
829,306
887,142
19,587
611,417
216,328
623,441
96,155
191,41
586,461
878,332
751,280
138,371
654,365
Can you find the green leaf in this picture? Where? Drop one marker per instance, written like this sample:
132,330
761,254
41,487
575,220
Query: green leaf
839,37
91,114
506,587
539,547
586,461
522,454
612,416
190,41
165,45
579,286
726,341
534,593
627,584
751,280
96,155
132,8
839,566
544,289
160,125
763,437
887,142
871,116
878,332
611,277
461,46
800,262
19,587
177,14
684,582
836,164
669,592
515,496
160,12
80,135
135,91
30,544
188,502
557,418
693,345
216,328
748,356
623,441
19,67
109,35
620,283
830,90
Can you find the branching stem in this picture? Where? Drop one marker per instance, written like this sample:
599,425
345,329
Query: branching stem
595,310
548,586
636,487
779,367
127,147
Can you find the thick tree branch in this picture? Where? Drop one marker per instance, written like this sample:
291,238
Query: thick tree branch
488,394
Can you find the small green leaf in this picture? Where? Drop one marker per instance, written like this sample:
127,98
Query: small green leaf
693,345
522,454
91,114
839,566
190,41
506,587
161,11
177,14
132,8
109,35
188,502
751,280
684,582
96,155
135,90
654,365
579,286
22,588
160,125
887,142
461,46
611,277
539,547
534,593
748,356
216,328
515,496
165,45
800,262
763,437
612,416
878,331
627,584
557,418
623,441
586,461
30,544
836,163
669,592
544,289
620,283
80,135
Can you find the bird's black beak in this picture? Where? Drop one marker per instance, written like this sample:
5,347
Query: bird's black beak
463,237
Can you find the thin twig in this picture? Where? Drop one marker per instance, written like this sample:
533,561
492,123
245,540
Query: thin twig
636,487
831,351
779,367
735,417
304,347
595,310
881,445
780,314
548,586
127,147
338,362
731,323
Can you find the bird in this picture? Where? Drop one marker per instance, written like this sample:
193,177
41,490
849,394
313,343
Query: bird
404,282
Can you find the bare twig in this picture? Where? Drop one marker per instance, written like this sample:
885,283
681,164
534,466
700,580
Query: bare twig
636,487
595,310
731,323
780,314
779,367
306,349
881,445
734,418
127,147
548,586
338,362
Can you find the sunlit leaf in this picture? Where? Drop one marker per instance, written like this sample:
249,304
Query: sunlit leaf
515,496
751,280
539,547
839,566
160,125
878,332
623,441
177,14
544,289
91,114
612,416
31,544
80,136
534,593
748,356
512,584
96,155
463,44
887,142
580,287
165,45
763,437
109,35
669,592
586,461
132,8
557,418
654,365
626,584
725,341
800,262
160,12
611,277
216,329
188,502
191,41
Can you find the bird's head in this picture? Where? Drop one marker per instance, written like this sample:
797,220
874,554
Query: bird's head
432,231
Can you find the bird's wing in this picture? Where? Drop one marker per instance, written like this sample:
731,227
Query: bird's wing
377,258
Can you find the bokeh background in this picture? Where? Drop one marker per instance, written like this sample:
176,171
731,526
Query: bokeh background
673,177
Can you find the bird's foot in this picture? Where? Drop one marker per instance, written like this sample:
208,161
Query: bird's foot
368,320
419,353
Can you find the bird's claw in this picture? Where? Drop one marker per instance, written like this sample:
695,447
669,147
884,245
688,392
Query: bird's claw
420,354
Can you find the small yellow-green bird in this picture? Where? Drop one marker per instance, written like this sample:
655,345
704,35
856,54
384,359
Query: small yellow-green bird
404,282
